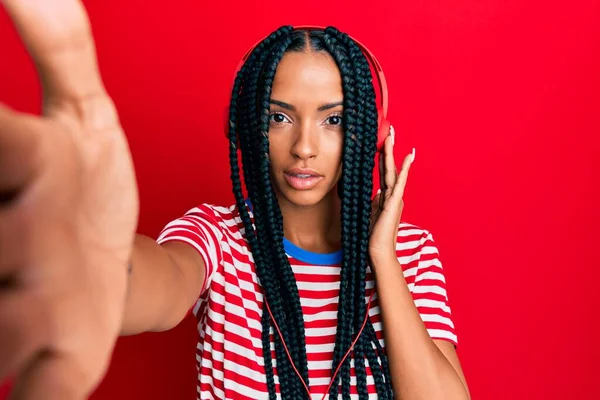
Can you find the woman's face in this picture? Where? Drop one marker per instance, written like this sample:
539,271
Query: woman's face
305,133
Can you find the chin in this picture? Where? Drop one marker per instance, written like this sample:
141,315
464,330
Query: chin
304,198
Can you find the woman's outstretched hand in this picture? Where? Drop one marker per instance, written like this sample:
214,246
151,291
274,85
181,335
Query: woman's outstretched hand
387,206
68,213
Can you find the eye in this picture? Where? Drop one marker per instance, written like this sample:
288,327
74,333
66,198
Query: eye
334,120
278,118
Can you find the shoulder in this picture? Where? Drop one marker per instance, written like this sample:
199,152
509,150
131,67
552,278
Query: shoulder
215,213
215,210
203,220
417,252
413,239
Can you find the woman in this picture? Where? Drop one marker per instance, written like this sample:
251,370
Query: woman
281,282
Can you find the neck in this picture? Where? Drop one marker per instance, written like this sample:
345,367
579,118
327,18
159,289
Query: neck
315,228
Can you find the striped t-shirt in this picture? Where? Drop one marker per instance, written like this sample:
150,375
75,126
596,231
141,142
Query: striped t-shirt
228,311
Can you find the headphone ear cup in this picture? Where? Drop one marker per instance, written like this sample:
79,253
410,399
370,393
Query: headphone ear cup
382,133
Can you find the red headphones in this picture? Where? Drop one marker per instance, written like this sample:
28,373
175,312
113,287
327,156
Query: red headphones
382,106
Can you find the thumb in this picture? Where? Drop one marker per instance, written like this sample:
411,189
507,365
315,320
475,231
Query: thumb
58,37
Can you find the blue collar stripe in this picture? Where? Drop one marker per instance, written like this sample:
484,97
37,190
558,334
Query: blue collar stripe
308,256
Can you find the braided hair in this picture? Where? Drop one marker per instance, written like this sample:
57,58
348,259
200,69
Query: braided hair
248,129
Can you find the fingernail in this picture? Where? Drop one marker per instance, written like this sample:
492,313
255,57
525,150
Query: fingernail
393,133
378,191
414,152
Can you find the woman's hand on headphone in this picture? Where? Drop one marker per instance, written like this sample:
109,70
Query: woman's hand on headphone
388,204
68,213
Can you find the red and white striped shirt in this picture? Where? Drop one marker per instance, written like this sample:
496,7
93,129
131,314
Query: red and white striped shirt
229,351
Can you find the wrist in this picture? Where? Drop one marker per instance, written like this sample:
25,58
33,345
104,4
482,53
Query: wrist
385,265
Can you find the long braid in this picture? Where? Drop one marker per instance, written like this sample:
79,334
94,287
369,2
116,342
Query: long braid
249,118
274,239
366,97
269,282
356,273
350,174
260,191
256,188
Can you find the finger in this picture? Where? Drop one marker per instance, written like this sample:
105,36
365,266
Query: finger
59,40
390,165
21,333
381,179
19,151
382,169
375,203
53,377
398,192
375,209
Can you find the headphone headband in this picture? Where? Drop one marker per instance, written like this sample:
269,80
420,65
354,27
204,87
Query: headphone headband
383,90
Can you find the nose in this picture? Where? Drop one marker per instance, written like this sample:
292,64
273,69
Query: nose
305,144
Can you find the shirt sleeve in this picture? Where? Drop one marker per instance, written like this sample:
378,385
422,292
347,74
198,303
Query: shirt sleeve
200,229
430,295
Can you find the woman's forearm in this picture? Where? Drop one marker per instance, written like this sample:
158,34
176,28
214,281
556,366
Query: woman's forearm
418,368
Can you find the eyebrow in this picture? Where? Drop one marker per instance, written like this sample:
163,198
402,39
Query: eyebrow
324,107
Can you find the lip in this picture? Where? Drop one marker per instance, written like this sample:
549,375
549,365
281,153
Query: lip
302,183
303,171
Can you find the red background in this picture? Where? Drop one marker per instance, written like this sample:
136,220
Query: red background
501,100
